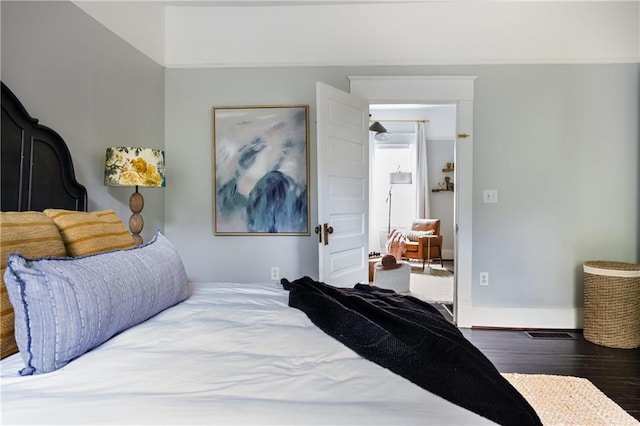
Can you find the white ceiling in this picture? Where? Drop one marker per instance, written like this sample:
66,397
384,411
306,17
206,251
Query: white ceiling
241,33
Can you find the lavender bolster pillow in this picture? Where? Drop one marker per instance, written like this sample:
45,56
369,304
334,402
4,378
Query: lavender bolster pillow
65,307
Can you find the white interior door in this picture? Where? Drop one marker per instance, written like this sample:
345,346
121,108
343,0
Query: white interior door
343,186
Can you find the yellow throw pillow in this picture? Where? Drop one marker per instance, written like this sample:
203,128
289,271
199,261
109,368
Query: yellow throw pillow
89,233
33,235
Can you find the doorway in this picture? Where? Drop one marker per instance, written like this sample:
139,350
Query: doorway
457,90
395,206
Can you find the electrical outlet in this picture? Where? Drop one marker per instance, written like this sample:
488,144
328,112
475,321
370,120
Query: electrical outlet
484,278
490,196
275,273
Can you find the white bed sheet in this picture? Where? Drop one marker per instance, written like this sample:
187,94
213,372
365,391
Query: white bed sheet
230,354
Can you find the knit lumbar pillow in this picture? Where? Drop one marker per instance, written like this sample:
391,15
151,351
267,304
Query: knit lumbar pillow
31,234
66,307
415,235
89,233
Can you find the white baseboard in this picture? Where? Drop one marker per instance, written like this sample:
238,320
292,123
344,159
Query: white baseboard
505,317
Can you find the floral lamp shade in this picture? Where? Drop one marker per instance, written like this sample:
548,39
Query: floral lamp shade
132,166
139,167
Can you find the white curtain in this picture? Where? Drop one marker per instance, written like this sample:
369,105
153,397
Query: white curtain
422,174
376,204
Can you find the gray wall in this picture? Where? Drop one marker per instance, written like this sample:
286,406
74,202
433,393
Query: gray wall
90,86
561,145
441,151
559,142
190,96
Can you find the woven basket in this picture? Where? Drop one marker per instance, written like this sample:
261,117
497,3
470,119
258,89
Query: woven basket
612,304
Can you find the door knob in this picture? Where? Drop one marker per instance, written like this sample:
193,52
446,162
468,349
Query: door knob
327,230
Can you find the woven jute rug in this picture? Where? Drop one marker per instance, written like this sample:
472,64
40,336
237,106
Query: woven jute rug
435,284
565,400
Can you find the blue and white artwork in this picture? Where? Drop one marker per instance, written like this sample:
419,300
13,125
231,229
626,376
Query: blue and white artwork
261,170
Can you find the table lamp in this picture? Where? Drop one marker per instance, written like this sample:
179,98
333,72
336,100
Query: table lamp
134,166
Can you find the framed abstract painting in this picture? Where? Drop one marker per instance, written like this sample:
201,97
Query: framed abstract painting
261,170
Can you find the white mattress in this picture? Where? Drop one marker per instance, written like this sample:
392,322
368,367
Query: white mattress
230,354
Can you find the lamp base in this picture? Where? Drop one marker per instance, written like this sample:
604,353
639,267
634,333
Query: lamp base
136,223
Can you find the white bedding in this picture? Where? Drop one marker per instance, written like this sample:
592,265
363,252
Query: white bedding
230,354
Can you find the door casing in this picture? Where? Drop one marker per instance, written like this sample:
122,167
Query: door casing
458,90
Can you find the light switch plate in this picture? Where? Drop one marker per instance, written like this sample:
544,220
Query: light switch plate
490,196
484,278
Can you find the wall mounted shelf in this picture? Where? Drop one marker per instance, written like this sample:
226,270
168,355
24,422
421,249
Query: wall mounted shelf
448,185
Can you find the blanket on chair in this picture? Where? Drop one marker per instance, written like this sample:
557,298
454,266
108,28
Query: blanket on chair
412,339
396,243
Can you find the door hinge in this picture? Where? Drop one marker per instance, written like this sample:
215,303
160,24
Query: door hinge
463,135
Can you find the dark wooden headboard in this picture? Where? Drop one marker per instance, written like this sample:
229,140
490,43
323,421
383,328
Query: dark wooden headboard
36,166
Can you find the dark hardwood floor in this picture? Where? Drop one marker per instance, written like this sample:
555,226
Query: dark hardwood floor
616,372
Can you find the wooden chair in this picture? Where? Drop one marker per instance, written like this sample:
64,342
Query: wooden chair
424,247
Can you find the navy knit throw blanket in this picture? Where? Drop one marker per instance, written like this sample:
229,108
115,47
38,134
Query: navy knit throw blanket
412,339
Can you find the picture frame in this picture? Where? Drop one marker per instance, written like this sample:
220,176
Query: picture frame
260,173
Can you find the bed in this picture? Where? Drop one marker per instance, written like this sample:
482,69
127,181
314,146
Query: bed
142,345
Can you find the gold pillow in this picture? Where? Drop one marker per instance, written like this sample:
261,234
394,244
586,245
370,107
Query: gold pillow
89,233
32,234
